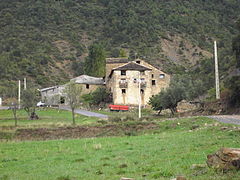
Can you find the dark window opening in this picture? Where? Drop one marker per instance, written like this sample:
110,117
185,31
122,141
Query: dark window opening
62,100
87,86
123,72
138,62
123,91
153,82
142,72
152,75
142,91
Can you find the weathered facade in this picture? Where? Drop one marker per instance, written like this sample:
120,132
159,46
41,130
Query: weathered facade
89,83
136,82
55,95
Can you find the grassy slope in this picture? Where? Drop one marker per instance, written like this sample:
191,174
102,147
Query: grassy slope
160,154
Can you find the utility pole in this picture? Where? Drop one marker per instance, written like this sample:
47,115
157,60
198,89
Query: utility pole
25,83
19,94
216,71
139,96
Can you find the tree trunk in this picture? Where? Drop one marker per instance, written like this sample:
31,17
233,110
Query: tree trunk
73,116
28,111
172,111
159,112
15,116
14,110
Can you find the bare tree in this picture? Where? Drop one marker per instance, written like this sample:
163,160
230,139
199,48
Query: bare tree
13,105
73,94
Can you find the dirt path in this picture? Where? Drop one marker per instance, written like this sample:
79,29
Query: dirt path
229,119
85,113
82,131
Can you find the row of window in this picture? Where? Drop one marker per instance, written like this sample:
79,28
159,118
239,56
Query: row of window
123,81
124,91
161,76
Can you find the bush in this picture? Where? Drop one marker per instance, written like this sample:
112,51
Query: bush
115,119
233,84
87,99
100,97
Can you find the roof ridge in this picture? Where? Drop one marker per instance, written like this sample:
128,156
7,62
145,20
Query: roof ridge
131,62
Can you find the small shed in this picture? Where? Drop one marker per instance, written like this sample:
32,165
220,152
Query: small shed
53,95
89,83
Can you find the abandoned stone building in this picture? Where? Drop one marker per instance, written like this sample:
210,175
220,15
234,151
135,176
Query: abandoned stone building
130,82
89,83
55,95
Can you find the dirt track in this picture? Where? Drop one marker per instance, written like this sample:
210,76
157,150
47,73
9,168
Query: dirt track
81,131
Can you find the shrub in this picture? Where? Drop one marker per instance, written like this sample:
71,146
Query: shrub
115,119
100,97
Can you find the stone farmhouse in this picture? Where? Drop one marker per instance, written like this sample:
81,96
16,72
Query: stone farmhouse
130,82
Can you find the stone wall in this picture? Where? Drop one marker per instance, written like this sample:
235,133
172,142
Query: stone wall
88,88
56,96
185,106
162,79
52,96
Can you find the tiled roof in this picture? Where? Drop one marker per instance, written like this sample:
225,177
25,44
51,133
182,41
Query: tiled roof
132,66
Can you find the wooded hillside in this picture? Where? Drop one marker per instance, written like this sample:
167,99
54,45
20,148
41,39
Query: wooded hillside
47,41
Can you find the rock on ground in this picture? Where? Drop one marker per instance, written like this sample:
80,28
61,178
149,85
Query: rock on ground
225,159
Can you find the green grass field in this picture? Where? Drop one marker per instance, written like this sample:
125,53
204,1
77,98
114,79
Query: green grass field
48,117
161,153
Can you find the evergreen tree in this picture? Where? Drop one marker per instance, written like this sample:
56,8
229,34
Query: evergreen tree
96,61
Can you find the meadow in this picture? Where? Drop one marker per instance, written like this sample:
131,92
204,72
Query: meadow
47,117
161,153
